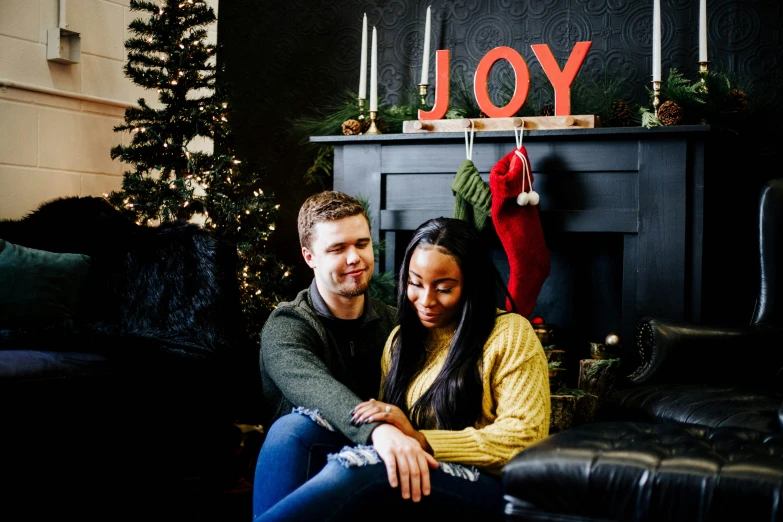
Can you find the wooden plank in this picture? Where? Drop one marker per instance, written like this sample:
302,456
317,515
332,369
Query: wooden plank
615,134
631,268
360,176
579,121
559,191
599,220
446,157
622,221
562,156
696,217
661,248
389,238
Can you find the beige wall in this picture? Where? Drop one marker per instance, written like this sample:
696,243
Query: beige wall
56,120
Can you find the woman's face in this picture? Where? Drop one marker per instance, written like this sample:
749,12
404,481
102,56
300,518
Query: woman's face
434,287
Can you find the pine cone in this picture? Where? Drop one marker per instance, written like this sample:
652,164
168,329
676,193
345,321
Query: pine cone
621,114
352,127
736,100
669,113
547,110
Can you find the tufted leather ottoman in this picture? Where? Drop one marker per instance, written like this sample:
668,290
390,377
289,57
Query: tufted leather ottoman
634,471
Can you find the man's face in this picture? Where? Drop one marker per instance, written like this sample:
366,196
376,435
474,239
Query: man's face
341,256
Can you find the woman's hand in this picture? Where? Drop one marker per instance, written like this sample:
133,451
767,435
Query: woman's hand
376,411
407,465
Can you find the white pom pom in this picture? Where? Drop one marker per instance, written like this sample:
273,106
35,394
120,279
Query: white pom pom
522,199
533,197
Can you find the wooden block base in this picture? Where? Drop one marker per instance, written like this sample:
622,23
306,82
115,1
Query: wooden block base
581,121
569,411
602,382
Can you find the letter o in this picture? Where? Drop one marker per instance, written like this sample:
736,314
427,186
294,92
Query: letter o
482,76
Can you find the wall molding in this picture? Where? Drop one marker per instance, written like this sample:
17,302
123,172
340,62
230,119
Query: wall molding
65,94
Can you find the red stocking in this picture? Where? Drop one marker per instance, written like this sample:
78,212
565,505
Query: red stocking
520,232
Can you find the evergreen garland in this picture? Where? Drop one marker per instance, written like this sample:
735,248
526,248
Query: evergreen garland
721,100
173,176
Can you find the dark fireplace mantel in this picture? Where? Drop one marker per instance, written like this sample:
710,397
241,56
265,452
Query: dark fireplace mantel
641,189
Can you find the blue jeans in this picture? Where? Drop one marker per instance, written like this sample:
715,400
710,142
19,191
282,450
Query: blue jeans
362,492
294,450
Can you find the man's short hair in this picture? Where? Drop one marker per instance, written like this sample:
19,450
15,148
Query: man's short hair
329,205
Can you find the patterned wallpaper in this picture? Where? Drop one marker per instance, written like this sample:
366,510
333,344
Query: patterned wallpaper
284,57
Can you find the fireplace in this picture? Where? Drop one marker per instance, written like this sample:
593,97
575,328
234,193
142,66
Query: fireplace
622,210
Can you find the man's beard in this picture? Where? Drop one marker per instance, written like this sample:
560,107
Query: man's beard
353,290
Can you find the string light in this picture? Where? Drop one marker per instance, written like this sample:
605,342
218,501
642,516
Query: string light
232,207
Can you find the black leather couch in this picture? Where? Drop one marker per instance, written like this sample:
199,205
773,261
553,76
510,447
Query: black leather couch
694,435
129,413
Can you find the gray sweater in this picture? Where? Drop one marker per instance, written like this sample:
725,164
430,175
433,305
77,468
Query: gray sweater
310,359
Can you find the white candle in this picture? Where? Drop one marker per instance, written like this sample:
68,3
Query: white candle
656,72
374,72
425,57
703,31
363,63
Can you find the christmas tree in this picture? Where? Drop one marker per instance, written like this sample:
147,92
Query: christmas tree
173,177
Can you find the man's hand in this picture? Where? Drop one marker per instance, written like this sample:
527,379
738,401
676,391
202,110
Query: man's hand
404,457
376,411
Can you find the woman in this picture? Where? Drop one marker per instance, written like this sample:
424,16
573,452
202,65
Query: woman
465,388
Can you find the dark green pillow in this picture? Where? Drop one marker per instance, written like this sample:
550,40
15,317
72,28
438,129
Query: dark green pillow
39,288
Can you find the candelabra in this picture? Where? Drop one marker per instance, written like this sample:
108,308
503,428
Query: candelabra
704,71
373,129
423,92
361,109
656,95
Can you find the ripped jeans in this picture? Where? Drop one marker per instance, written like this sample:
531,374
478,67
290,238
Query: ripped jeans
294,450
354,486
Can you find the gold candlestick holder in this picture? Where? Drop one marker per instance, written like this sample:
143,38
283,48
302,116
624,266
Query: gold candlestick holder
423,92
656,95
704,71
373,129
361,108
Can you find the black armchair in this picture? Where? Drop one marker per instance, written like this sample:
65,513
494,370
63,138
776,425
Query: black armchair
695,434
711,375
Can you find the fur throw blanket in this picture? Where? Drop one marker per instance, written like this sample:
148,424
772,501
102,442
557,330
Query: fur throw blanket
159,295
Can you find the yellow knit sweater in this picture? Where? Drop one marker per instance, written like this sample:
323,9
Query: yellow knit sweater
515,404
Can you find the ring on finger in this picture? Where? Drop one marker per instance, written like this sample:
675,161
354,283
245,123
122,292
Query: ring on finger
388,409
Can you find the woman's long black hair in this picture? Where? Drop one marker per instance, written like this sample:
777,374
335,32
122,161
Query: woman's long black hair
453,401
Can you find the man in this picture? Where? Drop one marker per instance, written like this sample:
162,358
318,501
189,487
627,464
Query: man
320,358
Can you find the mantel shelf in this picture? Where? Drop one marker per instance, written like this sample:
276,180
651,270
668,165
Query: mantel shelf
534,135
